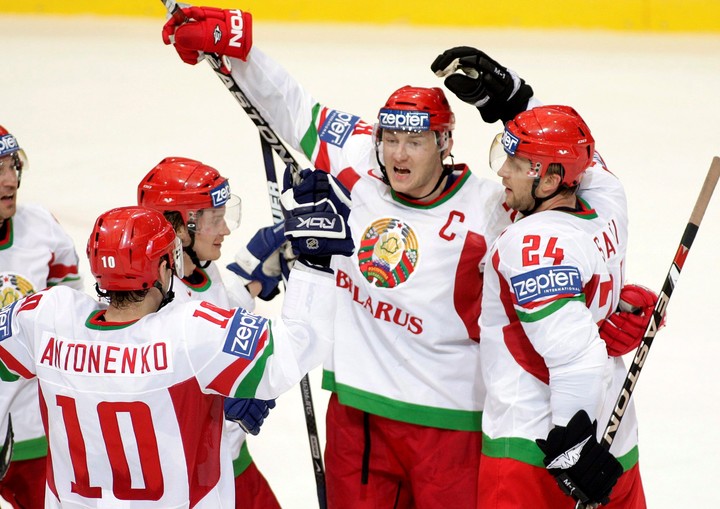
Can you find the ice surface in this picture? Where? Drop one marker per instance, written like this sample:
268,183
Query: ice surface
96,102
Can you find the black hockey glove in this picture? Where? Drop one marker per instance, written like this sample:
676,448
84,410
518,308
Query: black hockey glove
497,92
582,468
316,213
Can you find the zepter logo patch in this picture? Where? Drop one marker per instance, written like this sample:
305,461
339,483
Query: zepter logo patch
13,287
388,252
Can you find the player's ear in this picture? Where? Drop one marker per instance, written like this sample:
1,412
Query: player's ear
549,183
164,273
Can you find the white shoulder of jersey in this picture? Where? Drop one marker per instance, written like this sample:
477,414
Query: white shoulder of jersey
278,97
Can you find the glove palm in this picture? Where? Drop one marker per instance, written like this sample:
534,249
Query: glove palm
496,91
262,260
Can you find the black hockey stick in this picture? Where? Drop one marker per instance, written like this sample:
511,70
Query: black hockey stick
270,142
671,279
308,407
221,66
6,449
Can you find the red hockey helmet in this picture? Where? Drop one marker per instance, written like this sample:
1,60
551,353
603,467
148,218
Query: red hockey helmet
414,109
10,146
189,187
547,135
126,246
417,109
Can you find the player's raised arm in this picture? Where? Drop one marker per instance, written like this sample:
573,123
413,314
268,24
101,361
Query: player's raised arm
332,140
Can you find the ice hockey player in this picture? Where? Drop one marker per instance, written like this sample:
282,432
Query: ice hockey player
35,253
133,391
198,202
404,420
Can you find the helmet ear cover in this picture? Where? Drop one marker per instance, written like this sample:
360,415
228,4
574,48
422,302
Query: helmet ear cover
551,135
9,146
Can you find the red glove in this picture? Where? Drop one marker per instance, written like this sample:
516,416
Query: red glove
623,330
195,31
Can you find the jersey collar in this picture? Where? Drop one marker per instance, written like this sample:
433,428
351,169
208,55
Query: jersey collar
6,234
97,321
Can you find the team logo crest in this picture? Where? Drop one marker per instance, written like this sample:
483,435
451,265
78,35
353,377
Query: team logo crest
388,252
13,287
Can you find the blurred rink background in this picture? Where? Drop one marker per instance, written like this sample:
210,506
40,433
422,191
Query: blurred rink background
96,101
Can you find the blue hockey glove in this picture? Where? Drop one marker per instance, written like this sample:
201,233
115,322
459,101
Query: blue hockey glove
261,260
248,413
316,213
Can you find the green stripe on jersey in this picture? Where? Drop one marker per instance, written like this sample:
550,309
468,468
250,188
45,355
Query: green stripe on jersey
64,281
243,460
527,451
520,449
443,418
547,310
310,140
444,196
248,386
30,449
6,375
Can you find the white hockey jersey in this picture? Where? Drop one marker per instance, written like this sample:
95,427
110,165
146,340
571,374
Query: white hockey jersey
208,285
409,299
550,279
133,410
35,253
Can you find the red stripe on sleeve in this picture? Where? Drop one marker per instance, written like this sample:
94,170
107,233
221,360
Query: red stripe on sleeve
226,380
13,364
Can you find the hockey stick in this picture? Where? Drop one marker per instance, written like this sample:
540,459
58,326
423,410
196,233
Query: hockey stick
308,408
221,67
671,279
7,449
270,142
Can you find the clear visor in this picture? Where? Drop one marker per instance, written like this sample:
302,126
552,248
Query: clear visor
499,157
16,161
217,220
413,141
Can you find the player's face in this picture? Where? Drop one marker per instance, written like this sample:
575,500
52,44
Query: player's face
8,187
211,231
413,162
518,185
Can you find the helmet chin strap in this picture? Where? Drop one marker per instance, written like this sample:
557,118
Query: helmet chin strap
192,254
167,297
540,201
447,170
